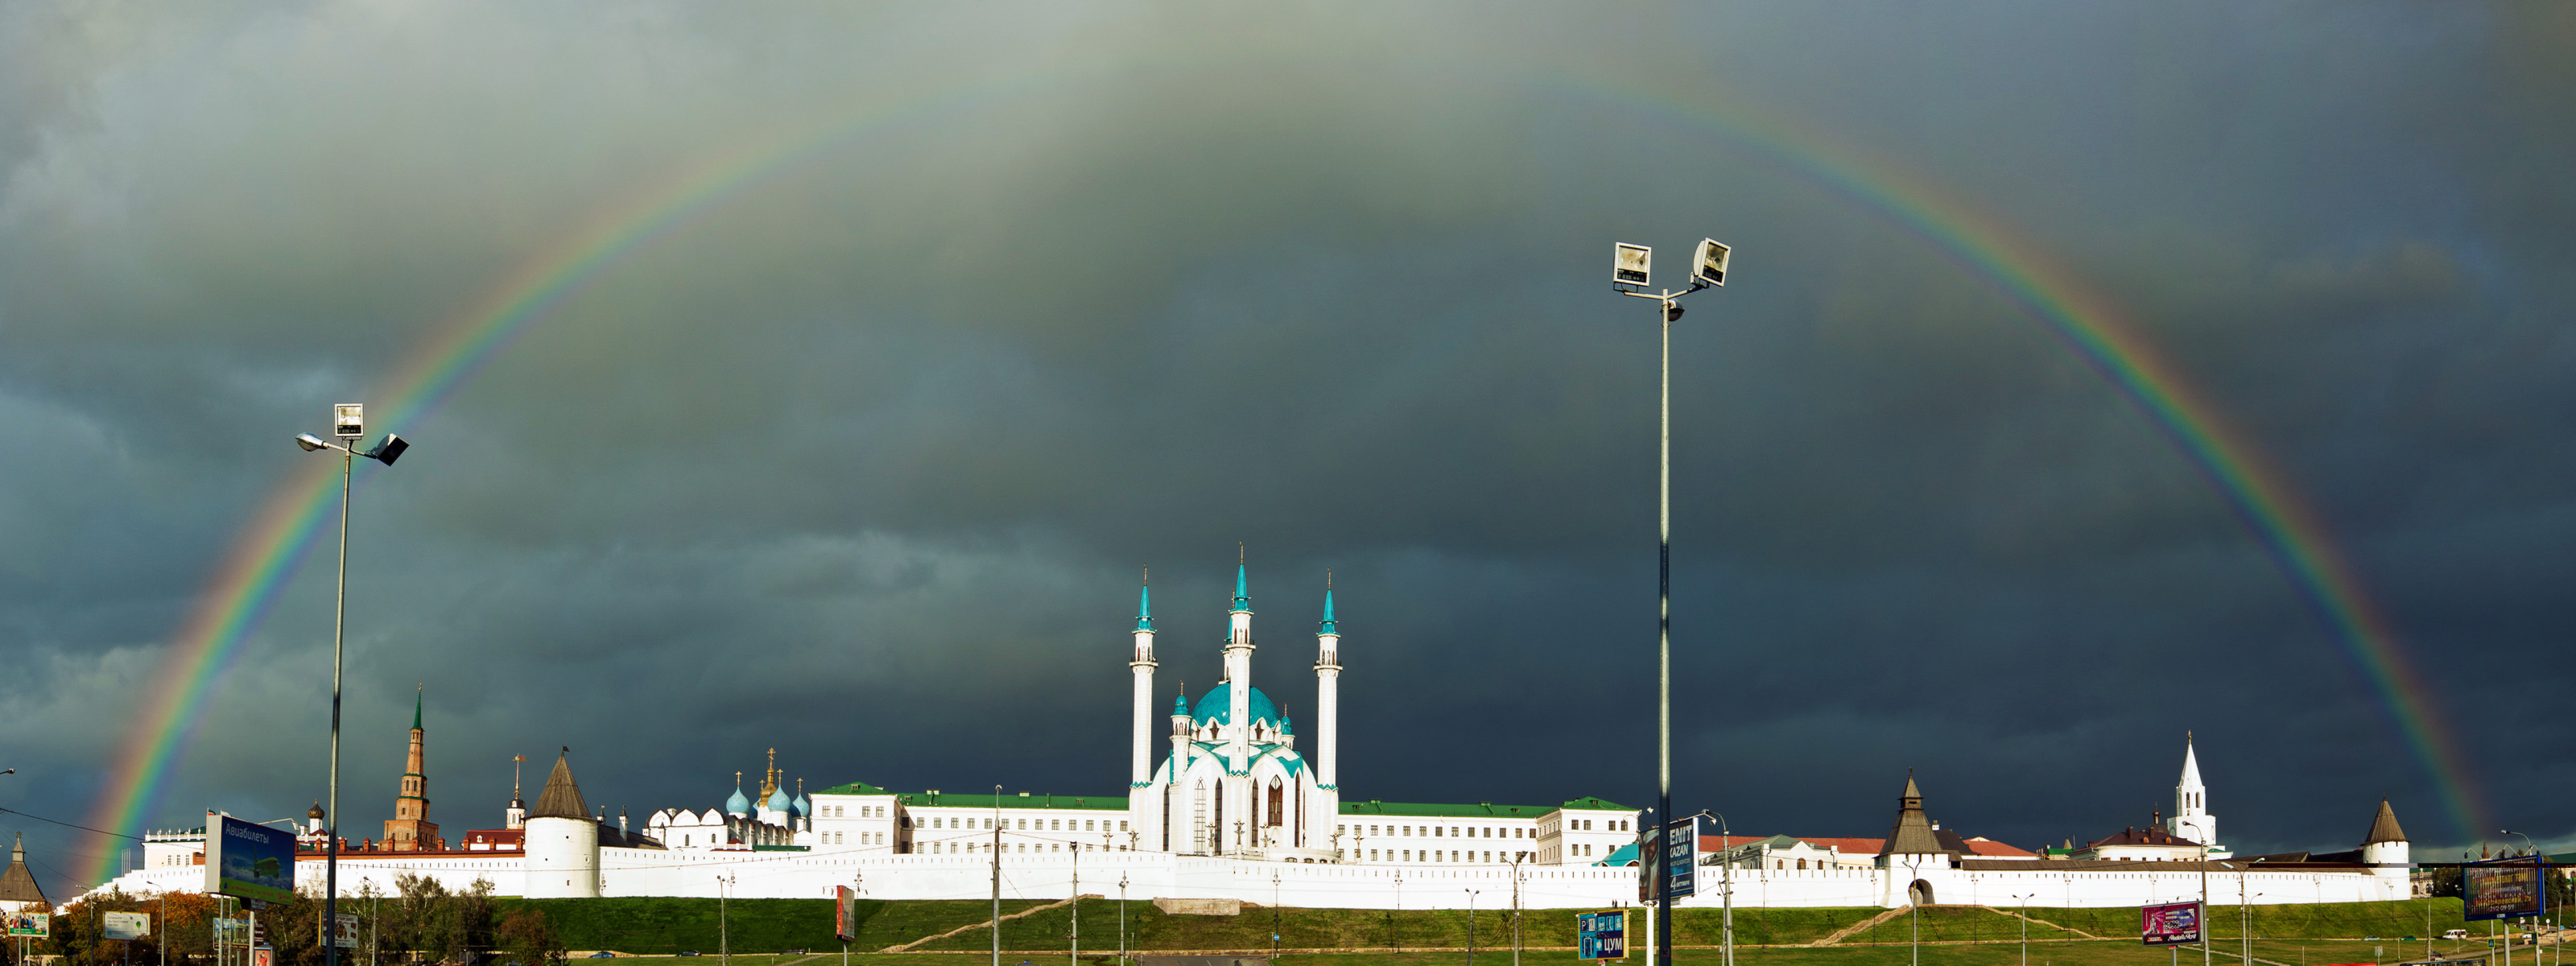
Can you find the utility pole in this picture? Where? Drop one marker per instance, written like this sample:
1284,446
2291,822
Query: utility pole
997,875
724,927
1076,958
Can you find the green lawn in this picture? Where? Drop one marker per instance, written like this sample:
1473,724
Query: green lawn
761,926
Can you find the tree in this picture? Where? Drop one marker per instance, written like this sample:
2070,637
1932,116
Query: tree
527,938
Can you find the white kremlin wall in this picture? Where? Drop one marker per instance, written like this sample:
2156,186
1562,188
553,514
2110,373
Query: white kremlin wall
811,875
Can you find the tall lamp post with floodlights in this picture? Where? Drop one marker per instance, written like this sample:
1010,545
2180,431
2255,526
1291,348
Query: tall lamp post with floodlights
348,425
1631,273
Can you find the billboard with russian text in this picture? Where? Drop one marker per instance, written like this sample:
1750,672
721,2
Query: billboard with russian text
2504,888
1601,935
246,860
2170,924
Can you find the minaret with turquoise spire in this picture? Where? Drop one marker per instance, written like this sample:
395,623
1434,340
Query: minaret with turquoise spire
1328,696
1140,758
1238,679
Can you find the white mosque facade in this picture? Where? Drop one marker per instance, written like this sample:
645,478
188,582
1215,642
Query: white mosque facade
1235,810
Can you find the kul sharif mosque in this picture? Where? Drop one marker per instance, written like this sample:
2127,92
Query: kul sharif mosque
1231,782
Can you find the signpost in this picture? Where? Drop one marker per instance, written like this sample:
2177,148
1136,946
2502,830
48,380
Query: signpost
2504,888
2171,924
1601,935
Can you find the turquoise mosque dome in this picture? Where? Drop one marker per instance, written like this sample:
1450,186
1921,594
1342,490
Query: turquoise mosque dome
1217,706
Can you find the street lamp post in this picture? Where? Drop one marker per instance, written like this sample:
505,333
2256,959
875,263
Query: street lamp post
2024,900
1630,275
1471,926
348,424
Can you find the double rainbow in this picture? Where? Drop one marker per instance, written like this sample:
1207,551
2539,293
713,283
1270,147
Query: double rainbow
266,553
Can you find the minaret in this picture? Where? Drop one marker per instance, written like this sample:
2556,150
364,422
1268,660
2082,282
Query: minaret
1328,696
1238,675
516,816
410,829
2191,818
1141,664
1180,760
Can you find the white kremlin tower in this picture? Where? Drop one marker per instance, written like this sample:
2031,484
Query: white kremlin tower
562,840
2191,819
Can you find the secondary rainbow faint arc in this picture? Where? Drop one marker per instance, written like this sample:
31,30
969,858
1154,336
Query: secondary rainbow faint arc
2258,492
264,555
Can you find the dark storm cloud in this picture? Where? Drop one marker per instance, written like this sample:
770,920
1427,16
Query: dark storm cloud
860,462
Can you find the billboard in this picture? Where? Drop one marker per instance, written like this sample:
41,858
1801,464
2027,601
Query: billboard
347,937
843,924
1679,863
127,925
2170,924
2504,888
37,924
249,861
1601,935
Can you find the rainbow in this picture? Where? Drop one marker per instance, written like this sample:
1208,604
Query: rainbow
266,553
2259,492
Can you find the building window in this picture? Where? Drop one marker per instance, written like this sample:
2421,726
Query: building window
1122,826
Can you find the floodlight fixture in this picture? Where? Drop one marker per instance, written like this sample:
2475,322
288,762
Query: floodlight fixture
1709,266
310,442
349,420
388,451
1631,264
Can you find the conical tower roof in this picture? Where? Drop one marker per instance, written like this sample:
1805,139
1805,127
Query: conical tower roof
2384,828
561,798
1912,833
2190,765
16,885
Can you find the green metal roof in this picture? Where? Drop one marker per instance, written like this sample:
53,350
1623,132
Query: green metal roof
1423,810
961,800
853,788
1597,804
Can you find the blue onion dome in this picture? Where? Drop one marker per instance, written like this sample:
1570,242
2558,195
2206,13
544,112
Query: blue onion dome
1218,707
802,806
778,800
738,803
1180,705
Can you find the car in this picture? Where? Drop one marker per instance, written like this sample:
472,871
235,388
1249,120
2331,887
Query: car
688,952
793,952
603,954
2456,934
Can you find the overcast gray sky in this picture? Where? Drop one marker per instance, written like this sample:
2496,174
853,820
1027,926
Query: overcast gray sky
860,458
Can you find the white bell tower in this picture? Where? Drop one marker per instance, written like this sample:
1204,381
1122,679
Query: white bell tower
2191,818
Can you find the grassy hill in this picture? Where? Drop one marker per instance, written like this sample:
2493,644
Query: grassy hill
666,925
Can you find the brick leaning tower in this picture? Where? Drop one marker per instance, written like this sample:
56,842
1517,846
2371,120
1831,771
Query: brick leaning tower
410,830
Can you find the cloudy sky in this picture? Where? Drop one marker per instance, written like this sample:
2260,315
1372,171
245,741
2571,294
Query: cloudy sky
921,328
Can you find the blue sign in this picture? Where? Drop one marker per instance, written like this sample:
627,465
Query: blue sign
246,860
1601,935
